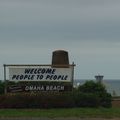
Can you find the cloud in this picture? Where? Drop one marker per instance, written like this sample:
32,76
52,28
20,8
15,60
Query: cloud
70,20
60,11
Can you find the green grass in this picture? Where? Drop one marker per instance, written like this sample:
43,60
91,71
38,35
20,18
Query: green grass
71,112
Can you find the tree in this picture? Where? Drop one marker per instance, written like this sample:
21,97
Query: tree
96,89
92,87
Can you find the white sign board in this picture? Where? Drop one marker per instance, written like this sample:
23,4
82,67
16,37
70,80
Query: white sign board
40,74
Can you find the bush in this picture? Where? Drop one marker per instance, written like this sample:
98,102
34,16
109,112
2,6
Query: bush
90,94
96,93
2,87
106,100
37,100
92,87
86,99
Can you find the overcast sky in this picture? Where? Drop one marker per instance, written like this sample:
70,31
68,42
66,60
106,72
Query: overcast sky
30,30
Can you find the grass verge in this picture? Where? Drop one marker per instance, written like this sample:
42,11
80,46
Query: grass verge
53,113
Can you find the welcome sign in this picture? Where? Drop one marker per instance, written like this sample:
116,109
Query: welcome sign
40,74
39,87
57,76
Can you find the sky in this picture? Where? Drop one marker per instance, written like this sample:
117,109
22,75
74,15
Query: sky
30,30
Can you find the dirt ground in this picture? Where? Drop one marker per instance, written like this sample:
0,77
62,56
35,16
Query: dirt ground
116,103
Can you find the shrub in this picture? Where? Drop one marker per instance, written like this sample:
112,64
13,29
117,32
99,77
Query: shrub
86,99
92,87
106,100
37,100
90,94
2,87
96,93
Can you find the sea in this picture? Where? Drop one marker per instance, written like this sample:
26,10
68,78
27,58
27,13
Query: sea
112,85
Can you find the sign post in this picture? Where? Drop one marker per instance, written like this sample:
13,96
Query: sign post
5,90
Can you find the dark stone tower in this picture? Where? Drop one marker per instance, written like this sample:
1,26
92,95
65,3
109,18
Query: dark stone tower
60,59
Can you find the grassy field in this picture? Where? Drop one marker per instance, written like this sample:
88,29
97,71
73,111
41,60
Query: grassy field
71,112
